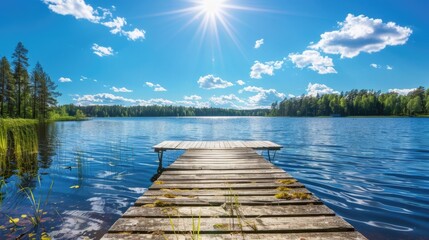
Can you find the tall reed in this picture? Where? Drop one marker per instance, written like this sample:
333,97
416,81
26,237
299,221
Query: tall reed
18,141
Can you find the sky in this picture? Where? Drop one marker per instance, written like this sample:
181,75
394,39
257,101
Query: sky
240,54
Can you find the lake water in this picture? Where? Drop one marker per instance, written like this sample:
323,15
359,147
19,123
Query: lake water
374,172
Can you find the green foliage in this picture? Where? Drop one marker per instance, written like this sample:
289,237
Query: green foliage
22,95
154,111
356,103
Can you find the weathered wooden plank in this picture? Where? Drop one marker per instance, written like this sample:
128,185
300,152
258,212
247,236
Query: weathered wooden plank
222,176
167,145
218,211
220,192
229,188
216,165
225,172
185,145
222,184
219,200
239,236
219,167
218,225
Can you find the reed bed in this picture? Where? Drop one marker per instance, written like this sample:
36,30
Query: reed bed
18,139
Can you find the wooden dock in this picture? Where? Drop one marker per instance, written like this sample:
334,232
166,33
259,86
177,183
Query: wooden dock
218,191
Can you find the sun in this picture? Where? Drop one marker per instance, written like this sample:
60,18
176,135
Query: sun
212,7
213,20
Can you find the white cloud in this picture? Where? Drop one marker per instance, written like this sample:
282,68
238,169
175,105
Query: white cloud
122,89
102,51
77,8
134,34
83,78
212,82
197,104
259,43
403,92
64,79
319,89
155,101
374,65
160,89
81,10
226,99
362,34
264,97
115,24
314,61
268,68
388,67
156,87
111,99
241,82
192,98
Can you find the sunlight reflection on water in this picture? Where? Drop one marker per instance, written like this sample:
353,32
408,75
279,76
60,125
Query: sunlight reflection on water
371,171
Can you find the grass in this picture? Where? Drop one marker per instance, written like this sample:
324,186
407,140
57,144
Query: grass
67,118
18,141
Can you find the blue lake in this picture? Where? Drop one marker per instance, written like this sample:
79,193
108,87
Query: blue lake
374,172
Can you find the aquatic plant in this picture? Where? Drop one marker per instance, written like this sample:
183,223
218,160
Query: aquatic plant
36,204
18,142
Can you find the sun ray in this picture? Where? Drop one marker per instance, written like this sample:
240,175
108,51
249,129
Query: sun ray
214,20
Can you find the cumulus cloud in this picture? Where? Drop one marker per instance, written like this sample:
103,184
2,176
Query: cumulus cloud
259,43
156,87
212,82
226,100
318,89
77,8
314,61
102,51
122,89
403,91
267,68
134,34
389,67
111,99
192,98
115,24
241,82
263,98
362,34
197,104
64,79
81,10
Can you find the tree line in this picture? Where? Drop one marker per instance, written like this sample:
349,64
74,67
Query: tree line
24,94
153,111
356,103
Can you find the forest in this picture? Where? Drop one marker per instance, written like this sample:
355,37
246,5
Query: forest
23,94
153,111
355,103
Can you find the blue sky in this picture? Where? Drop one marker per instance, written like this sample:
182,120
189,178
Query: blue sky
220,53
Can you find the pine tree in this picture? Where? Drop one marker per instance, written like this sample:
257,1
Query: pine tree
36,78
5,79
20,62
47,96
